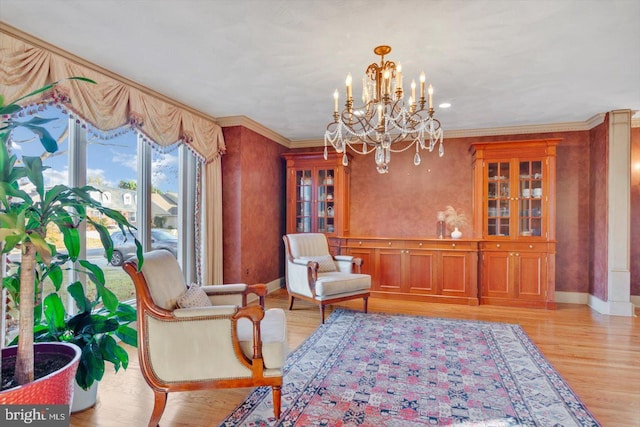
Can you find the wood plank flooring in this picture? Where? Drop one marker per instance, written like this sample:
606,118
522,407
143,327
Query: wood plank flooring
598,355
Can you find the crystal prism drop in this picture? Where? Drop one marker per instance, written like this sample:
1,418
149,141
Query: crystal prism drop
379,155
345,160
326,154
364,148
416,159
441,150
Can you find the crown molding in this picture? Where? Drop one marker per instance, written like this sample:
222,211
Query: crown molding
528,129
635,123
258,128
507,130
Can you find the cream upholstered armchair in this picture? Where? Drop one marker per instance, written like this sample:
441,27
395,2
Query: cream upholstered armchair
194,338
314,275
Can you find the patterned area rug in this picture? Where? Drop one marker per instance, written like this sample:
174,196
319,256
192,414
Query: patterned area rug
388,370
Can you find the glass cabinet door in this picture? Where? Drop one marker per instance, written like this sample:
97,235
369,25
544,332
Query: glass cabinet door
530,203
498,197
325,199
304,185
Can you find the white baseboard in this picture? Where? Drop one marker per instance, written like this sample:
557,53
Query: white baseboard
604,307
572,297
612,308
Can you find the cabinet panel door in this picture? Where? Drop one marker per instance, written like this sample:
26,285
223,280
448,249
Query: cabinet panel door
455,273
532,275
389,270
496,272
420,272
367,255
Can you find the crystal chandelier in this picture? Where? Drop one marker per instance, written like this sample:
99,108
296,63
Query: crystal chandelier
385,123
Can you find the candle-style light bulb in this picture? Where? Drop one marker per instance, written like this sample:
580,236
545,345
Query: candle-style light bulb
335,101
364,90
387,81
422,79
413,90
430,90
399,77
348,83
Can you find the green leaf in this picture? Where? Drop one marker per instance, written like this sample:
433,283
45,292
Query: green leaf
109,299
77,293
10,109
96,271
111,352
91,367
128,335
33,166
126,313
55,274
71,238
54,313
48,142
105,237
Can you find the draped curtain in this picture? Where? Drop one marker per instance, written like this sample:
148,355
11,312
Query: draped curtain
113,103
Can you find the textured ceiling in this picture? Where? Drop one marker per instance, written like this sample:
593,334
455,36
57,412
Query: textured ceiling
499,63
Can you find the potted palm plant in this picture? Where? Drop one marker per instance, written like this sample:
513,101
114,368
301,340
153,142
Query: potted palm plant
25,221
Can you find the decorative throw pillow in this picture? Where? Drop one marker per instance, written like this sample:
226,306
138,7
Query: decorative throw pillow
325,262
194,297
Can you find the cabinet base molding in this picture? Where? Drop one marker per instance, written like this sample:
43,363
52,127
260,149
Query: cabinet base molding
510,302
425,298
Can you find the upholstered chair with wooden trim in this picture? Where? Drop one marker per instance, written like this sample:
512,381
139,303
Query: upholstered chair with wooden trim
314,275
195,338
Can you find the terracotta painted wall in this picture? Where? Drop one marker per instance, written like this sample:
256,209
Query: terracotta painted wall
253,207
635,211
405,202
598,210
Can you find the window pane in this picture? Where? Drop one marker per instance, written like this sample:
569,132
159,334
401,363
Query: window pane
164,201
112,168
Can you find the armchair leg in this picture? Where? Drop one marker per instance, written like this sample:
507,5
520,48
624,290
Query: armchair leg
160,401
366,301
322,313
291,298
277,399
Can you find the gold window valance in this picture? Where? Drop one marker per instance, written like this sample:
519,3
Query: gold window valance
110,104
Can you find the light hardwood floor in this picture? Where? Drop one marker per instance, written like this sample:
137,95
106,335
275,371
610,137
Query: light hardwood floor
598,355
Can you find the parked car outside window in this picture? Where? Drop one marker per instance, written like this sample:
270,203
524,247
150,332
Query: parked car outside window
124,249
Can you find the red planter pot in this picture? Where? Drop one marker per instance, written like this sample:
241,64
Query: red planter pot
53,389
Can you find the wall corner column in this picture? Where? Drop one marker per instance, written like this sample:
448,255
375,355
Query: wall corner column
619,216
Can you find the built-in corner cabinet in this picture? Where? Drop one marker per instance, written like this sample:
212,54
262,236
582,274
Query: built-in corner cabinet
514,216
317,194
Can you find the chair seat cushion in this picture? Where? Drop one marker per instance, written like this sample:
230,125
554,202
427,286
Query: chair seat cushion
273,331
329,284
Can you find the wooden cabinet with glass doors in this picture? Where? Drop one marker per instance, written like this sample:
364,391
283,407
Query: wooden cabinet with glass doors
317,194
514,215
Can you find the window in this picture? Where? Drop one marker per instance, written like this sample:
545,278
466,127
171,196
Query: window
130,176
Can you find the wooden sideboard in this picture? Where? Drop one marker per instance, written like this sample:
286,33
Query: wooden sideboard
435,270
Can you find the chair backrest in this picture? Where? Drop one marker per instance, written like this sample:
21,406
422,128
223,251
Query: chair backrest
307,244
164,278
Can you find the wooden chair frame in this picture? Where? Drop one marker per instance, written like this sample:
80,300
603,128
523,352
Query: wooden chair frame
147,308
